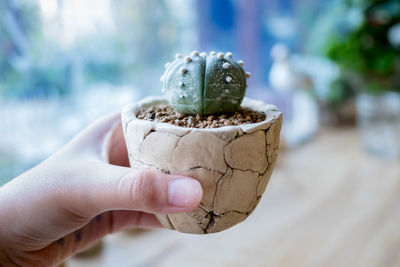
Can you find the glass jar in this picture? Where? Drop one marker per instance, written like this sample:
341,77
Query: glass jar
378,118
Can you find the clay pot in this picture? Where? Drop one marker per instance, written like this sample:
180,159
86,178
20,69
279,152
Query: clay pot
232,163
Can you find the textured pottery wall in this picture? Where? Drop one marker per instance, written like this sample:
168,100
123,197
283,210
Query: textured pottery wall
233,164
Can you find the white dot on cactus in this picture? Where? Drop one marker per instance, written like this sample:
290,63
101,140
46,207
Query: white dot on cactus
248,74
226,65
195,53
220,55
226,91
234,101
213,53
181,96
167,64
228,79
162,78
241,63
180,84
188,59
183,70
229,54
178,56
203,54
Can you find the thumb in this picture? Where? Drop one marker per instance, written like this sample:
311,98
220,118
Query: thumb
102,186
110,187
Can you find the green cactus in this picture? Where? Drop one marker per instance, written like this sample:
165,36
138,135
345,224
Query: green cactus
205,84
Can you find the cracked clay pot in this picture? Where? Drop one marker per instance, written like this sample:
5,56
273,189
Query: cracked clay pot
232,163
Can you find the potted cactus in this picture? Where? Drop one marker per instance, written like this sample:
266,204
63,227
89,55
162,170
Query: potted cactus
204,128
204,85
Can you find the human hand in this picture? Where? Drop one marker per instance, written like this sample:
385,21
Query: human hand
79,195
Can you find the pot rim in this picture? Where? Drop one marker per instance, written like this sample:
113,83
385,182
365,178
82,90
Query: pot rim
271,114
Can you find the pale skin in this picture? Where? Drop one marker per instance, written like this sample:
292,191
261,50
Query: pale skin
82,193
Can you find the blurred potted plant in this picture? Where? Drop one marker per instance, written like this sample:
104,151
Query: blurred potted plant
338,105
369,60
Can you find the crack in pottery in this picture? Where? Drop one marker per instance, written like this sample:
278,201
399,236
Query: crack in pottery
232,189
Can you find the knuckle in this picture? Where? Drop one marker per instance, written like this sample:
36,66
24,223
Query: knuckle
140,189
143,190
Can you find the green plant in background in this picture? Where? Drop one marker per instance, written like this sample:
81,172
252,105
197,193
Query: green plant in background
205,84
339,91
369,55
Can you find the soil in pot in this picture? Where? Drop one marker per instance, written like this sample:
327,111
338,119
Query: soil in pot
164,113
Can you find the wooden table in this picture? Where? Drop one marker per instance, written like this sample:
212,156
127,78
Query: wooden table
327,204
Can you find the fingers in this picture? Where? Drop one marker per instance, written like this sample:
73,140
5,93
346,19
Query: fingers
107,187
88,235
116,148
93,138
119,188
118,220
106,139
100,128
107,223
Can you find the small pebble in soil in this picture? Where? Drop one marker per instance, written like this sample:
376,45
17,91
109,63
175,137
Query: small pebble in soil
164,113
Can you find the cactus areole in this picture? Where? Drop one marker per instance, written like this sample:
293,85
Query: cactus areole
205,84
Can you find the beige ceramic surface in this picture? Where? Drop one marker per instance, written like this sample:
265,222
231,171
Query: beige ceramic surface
233,163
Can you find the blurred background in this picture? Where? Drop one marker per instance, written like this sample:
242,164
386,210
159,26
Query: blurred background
65,63
332,66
